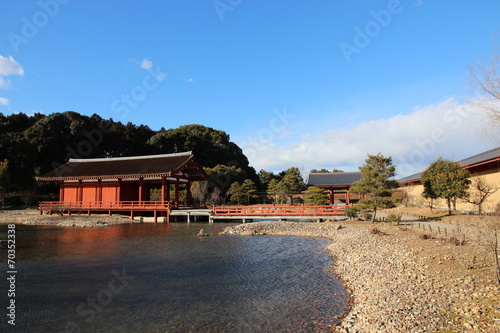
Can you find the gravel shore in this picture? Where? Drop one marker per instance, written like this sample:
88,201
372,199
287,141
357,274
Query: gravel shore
33,218
401,281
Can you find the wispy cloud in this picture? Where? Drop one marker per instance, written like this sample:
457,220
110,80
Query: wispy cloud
4,101
8,66
146,64
413,140
190,80
4,83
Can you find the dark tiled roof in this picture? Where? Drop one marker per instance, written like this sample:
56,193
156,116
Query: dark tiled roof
126,167
487,155
333,178
465,163
410,178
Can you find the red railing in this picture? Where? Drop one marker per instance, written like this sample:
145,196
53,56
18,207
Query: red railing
99,205
279,210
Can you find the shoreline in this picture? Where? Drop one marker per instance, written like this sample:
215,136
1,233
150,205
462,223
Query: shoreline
84,221
399,282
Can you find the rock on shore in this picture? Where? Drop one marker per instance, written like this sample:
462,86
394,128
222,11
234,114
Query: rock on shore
400,282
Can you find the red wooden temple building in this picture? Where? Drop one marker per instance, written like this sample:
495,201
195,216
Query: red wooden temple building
338,185
124,183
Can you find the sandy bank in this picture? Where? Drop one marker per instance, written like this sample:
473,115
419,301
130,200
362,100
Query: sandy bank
400,282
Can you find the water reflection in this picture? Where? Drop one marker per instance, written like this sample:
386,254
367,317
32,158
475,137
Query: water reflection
175,281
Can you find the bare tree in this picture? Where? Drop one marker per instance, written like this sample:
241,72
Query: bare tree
485,78
491,240
479,192
199,190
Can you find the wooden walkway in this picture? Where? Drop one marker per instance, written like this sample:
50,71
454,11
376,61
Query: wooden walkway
167,209
277,212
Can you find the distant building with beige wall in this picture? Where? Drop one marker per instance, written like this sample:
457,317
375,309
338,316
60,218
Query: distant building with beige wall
485,165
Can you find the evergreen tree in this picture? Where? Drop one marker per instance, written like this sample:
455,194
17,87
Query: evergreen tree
447,180
315,196
376,183
277,191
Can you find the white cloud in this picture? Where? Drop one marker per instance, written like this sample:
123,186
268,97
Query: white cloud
4,101
4,83
8,66
146,64
190,80
447,129
161,77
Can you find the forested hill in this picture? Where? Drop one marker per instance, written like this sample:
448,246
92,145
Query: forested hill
34,145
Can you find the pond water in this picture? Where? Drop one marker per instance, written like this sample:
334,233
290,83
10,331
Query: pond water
163,278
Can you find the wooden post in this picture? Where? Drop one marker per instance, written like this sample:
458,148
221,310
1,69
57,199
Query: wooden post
99,191
155,214
141,183
163,192
331,195
79,192
61,192
348,197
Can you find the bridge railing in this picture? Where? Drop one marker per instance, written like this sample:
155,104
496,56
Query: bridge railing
104,205
279,210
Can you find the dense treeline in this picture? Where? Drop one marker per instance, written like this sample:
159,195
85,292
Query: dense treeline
33,145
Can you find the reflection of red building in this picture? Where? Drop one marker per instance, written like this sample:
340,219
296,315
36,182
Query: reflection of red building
123,183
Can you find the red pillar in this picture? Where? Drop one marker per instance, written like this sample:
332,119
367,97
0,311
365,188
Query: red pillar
118,190
331,195
163,192
79,192
99,191
61,192
141,183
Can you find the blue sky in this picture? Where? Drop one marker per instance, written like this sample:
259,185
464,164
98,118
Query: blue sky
310,84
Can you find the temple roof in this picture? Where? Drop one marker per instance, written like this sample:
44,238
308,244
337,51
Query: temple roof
128,167
333,179
488,158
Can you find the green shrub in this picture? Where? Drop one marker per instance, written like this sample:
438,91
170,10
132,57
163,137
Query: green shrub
366,216
351,212
393,218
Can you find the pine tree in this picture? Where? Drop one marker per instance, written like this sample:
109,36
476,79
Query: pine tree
376,184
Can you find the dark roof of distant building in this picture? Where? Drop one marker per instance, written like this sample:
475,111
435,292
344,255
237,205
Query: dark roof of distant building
480,158
333,178
128,167
466,163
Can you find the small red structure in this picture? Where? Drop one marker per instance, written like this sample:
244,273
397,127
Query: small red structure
123,183
335,182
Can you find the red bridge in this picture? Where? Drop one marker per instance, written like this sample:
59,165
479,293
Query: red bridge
282,212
